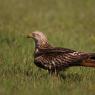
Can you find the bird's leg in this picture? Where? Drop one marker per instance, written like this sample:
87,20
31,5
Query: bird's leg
50,72
54,73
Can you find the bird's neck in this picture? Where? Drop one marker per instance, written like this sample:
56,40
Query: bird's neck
39,46
42,44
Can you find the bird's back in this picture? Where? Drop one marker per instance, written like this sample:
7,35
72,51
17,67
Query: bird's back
58,58
54,58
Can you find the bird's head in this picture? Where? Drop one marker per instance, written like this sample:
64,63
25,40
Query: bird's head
39,38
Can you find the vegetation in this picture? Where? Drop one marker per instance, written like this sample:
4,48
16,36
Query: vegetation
67,23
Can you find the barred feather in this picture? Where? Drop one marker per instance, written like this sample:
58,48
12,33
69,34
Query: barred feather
55,58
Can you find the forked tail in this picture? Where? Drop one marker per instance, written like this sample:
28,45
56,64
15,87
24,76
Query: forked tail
92,55
90,62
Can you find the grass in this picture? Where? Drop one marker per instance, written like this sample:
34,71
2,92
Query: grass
67,23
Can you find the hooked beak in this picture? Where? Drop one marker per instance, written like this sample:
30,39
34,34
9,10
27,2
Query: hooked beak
29,36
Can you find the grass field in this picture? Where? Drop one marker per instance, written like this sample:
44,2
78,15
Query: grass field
67,23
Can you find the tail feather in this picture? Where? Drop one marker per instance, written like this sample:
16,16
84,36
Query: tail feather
92,56
88,63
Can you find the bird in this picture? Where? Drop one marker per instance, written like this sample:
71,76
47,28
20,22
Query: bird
56,59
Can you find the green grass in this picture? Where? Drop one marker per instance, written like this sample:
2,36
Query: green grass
67,23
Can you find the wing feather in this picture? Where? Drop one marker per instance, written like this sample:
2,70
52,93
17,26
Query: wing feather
59,58
55,50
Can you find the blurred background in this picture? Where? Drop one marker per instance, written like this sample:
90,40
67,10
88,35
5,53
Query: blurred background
67,23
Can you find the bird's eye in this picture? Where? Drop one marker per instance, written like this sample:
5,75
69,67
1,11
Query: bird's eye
36,35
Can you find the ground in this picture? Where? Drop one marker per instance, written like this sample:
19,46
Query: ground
67,23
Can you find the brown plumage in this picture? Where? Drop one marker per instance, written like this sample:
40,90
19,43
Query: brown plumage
55,58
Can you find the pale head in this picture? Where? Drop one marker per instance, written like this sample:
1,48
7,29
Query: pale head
39,38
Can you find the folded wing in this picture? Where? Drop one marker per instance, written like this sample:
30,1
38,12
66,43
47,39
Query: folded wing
59,58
